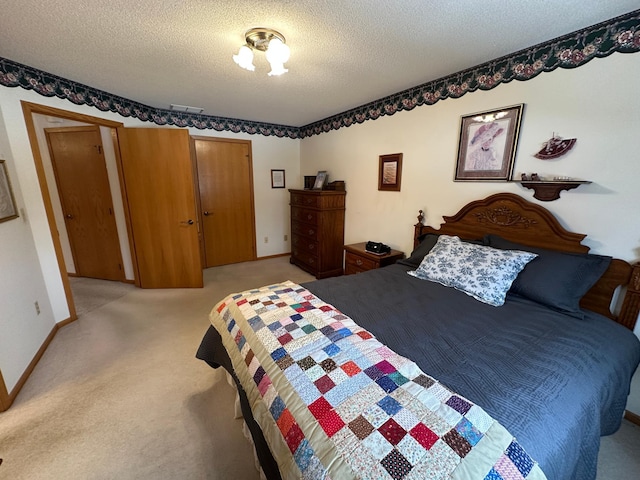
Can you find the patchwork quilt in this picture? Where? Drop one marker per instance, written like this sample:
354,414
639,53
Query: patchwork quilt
335,403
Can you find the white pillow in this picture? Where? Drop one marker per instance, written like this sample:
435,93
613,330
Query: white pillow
485,273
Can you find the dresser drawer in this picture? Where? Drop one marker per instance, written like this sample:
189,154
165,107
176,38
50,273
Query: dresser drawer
351,269
305,257
304,215
304,244
310,231
357,262
305,200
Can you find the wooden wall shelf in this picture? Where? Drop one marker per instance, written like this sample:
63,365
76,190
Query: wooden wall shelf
548,190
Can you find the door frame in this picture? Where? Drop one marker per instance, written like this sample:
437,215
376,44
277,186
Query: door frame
28,109
5,398
197,190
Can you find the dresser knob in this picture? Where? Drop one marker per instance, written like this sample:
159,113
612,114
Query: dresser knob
358,262
309,217
311,232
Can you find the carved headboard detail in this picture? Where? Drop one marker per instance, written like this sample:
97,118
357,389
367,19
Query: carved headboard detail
518,220
504,217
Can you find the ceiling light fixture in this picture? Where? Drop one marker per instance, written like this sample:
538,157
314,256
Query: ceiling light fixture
268,41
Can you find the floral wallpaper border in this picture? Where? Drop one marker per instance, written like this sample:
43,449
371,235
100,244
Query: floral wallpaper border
620,34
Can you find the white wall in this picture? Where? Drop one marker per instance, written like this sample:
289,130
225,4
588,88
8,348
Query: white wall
22,330
595,103
28,265
592,103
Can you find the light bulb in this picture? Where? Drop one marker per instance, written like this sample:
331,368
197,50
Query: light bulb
277,52
277,69
244,58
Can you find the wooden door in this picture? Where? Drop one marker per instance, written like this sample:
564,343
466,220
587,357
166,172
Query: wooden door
159,184
83,185
225,181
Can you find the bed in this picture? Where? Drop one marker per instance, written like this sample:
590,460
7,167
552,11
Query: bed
552,364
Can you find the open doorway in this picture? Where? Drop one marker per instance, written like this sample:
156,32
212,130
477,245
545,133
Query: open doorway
37,119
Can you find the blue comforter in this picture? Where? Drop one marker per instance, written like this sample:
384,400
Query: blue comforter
557,383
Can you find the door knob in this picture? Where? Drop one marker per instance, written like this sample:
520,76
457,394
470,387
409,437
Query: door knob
206,213
188,222
69,216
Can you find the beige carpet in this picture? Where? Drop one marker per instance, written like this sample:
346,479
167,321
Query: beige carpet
90,293
120,395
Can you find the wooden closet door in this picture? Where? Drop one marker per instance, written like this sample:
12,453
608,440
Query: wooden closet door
83,186
159,184
225,179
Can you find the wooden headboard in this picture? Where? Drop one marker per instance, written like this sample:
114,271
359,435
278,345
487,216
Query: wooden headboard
518,220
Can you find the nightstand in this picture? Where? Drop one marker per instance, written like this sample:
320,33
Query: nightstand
358,260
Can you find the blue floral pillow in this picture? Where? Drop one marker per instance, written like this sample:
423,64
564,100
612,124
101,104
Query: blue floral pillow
485,273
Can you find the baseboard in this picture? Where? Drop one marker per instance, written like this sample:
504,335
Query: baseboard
274,256
64,323
632,417
126,280
6,399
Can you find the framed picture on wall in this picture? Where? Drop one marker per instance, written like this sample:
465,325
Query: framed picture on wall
8,209
390,172
487,146
277,179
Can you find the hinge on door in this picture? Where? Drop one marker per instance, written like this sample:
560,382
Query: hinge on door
119,266
99,149
110,211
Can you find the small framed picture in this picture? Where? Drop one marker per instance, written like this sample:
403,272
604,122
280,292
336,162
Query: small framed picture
277,179
8,209
390,172
321,180
487,146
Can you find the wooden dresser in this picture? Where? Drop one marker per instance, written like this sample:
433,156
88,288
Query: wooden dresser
317,231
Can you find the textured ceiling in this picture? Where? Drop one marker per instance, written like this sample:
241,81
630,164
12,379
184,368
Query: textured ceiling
344,53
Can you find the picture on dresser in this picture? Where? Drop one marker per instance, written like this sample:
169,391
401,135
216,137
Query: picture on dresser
487,146
321,180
